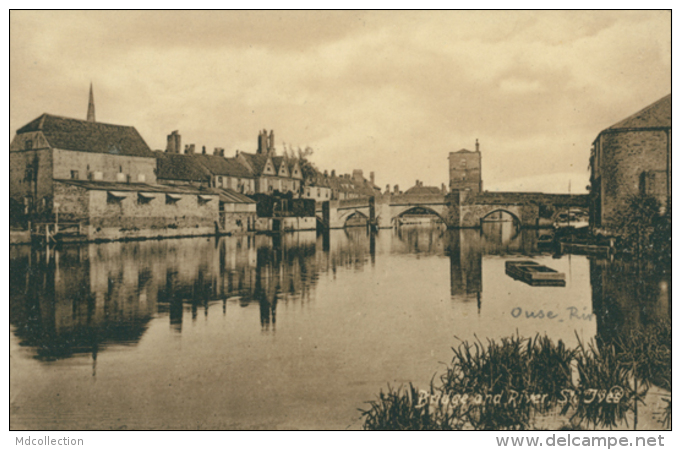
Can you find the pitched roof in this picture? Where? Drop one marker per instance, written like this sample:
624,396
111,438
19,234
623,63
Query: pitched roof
423,190
139,187
174,166
232,196
657,115
257,162
219,165
84,136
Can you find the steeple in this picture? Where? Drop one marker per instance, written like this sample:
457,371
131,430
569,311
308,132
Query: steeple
91,107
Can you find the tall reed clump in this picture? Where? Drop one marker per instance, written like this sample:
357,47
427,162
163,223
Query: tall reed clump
504,385
397,410
606,390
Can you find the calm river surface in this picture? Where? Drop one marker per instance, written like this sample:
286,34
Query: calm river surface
287,332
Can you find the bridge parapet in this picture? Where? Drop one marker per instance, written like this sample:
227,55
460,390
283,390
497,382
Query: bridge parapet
528,198
430,199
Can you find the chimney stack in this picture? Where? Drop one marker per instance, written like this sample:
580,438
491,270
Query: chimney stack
262,142
397,189
333,173
190,150
358,175
216,151
372,177
174,142
443,188
222,152
387,189
477,146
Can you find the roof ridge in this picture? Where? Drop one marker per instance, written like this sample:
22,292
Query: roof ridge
639,113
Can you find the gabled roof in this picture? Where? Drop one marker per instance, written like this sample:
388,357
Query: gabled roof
219,165
83,136
657,115
278,161
174,166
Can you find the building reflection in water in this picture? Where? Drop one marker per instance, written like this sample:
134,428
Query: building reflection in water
82,299
629,296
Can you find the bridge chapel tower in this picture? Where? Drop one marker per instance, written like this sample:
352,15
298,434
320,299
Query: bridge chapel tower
465,170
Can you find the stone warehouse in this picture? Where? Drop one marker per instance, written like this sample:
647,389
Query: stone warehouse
102,177
630,158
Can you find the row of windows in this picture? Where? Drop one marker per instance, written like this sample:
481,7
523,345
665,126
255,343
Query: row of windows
145,199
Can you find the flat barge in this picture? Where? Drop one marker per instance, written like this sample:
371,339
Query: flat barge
534,274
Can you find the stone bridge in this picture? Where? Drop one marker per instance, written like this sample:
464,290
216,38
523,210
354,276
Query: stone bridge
459,209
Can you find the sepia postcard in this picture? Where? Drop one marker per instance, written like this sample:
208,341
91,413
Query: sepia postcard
340,220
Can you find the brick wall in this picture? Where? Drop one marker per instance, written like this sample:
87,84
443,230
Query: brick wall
623,157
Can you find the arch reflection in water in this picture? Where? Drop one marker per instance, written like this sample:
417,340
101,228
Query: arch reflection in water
352,310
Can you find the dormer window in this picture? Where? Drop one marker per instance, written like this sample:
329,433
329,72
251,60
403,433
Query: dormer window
28,145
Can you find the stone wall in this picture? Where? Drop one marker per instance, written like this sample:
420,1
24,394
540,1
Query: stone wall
30,175
73,201
237,222
132,218
623,157
86,163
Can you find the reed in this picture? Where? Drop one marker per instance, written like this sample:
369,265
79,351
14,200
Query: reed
605,382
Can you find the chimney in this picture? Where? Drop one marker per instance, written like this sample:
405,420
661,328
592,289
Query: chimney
174,142
387,189
397,189
203,150
443,188
326,173
222,152
237,153
372,177
262,142
186,148
417,183
358,175
477,146
270,142
190,149
333,173
216,151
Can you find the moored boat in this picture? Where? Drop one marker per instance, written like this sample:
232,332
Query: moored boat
534,274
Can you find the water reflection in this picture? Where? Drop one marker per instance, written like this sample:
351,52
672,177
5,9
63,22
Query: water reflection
304,320
82,299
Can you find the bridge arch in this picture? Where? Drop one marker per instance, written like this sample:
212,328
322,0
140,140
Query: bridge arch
407,209
352,215
516,219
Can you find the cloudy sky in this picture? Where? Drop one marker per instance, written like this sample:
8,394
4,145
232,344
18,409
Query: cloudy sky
390,92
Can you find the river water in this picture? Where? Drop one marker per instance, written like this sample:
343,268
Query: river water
281,332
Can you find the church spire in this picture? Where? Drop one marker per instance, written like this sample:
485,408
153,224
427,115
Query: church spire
91,107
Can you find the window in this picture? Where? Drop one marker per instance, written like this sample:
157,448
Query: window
28,145
219,181
74,174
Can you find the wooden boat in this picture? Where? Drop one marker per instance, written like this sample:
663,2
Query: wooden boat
534,274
